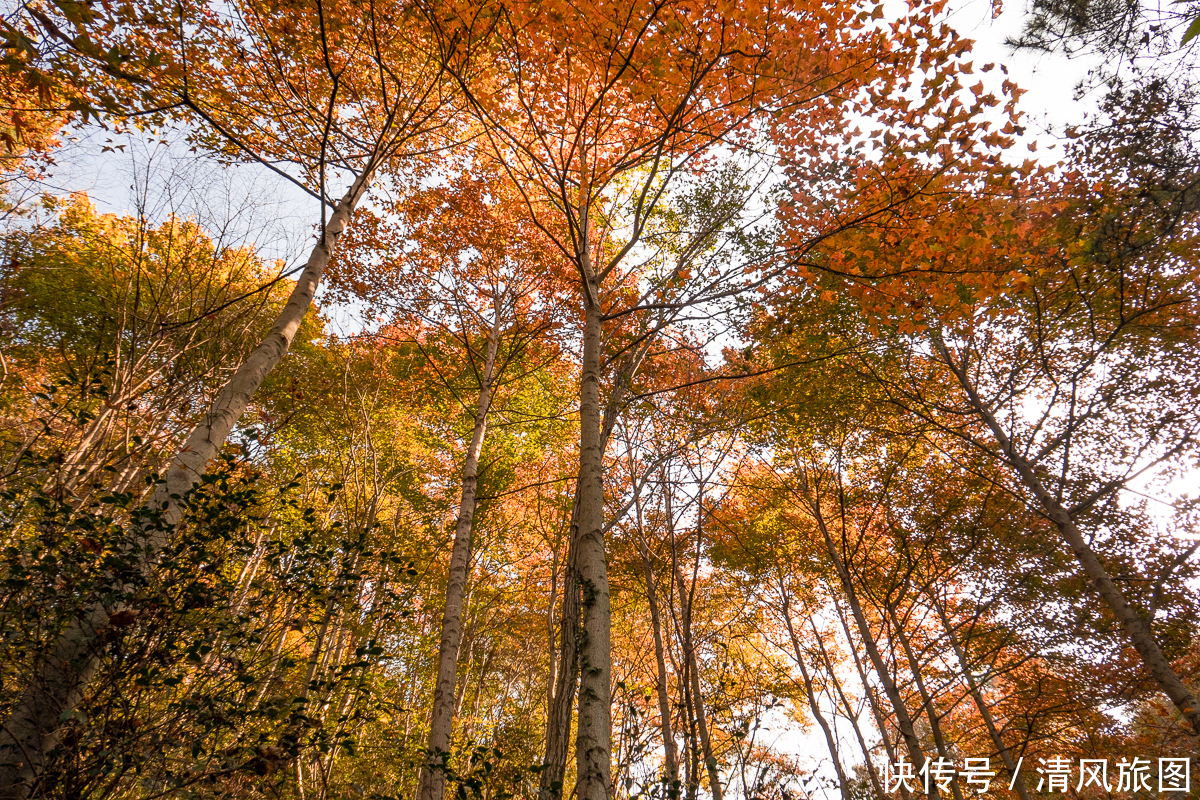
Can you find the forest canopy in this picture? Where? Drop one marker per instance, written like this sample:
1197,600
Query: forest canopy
668,399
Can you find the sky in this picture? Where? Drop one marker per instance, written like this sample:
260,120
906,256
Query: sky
1049,79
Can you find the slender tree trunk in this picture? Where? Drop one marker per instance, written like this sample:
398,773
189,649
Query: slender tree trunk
585,655
831,671
562,698
593,742
467,659
432,784
690,658
191,461
914,666
551,629
903,720
683,666
566,678
1136,627
691,765
811,692
977,695
872,698
32,729
710,760
670,756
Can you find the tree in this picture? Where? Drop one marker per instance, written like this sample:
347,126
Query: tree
359,110
648,94
490,295
118,327
1069,326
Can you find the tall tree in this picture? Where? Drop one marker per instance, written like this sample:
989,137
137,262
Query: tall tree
363,103
644,96
458,264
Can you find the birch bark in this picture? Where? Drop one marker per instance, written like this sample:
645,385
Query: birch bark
432,784
33,726
593,742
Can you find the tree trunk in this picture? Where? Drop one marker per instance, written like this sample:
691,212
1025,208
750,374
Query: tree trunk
831,671
811,692
935,723
562,698
1136,627
551,628
586,614
903,720
671,760
593,741
566,675
691,765
868,690
988,721
693,665
432,784
32,729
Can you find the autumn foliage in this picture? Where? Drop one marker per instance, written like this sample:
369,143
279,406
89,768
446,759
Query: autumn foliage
672,399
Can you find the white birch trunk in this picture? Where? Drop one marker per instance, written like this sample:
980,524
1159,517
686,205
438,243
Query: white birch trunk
432,784
593,742
32,729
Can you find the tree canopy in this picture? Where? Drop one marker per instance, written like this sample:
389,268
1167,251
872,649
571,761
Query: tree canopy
675,399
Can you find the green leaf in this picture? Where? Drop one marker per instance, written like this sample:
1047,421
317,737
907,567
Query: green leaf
1192,31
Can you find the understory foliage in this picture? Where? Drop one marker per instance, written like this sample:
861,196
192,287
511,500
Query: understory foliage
722,402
